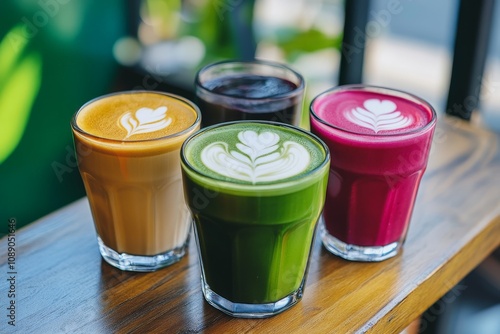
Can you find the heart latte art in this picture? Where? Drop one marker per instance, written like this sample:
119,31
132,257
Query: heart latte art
145,120
258,157
378,115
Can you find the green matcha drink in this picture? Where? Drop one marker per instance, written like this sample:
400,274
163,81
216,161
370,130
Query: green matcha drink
256,190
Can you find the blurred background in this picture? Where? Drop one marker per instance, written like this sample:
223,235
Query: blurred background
57,54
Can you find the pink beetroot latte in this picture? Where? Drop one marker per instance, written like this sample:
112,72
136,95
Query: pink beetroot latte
379,140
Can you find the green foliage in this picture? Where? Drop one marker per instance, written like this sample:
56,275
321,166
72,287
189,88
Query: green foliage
307,41
20,79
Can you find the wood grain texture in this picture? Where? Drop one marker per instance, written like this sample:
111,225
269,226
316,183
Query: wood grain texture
63,286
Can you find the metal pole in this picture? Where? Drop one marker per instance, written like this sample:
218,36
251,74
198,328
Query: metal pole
353,42
472,38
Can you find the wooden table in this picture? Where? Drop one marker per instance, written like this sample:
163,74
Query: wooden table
61,284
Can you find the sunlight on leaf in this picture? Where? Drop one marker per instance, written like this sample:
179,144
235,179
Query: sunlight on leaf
310,41
11,47
20,79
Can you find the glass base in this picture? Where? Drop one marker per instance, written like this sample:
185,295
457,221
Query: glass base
242,310
358,253
141,263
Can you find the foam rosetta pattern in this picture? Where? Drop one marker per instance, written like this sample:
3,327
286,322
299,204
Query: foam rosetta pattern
145,120
378,115
258,157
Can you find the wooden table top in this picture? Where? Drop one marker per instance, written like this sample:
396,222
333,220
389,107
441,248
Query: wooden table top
61,285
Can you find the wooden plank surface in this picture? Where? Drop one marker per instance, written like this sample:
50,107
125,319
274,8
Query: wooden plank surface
63,286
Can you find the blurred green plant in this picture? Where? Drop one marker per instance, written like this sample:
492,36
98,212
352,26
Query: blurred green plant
226,28
298,42
221,22
217,23
163,16
20,79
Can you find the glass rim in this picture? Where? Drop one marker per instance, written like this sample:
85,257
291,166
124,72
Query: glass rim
84,133
255,62
379,89
280,184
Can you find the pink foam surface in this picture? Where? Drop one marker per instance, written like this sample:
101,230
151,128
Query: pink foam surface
333,109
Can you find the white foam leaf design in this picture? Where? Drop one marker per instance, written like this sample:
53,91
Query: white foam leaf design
145,120
259,158
378,115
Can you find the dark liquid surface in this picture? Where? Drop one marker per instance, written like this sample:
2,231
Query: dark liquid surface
263,98
252,86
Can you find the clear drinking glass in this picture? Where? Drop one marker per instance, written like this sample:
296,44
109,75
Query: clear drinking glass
379,139
249,90
128,150
256,190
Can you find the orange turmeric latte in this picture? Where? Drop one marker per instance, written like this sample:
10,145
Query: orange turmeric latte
128,148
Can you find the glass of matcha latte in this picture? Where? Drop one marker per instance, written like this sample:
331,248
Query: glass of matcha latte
255,190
